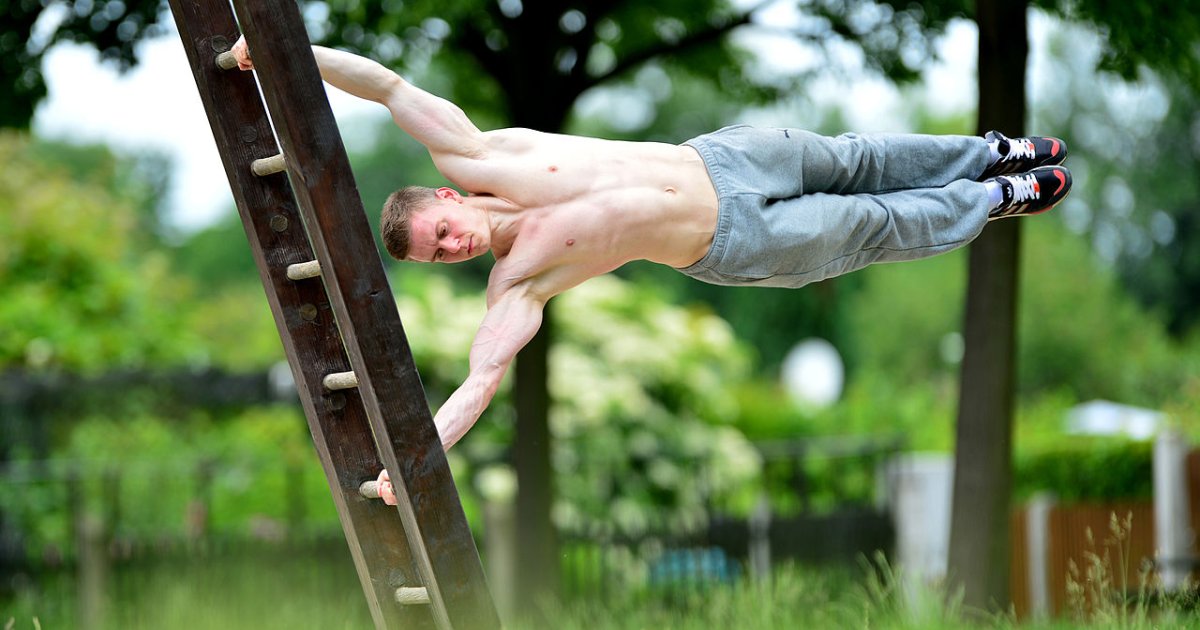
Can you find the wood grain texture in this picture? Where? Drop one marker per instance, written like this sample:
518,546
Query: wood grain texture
303,314
365,311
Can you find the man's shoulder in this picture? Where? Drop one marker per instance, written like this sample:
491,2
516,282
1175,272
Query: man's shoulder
513,138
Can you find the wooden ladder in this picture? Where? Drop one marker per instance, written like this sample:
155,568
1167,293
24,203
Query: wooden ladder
336,315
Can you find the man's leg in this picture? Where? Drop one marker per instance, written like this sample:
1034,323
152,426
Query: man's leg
786,163
820,235
853,231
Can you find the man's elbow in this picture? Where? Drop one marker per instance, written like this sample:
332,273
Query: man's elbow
391,85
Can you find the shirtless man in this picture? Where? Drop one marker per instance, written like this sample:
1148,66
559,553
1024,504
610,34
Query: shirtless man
771,207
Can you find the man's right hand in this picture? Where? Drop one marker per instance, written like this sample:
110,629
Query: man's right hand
241,52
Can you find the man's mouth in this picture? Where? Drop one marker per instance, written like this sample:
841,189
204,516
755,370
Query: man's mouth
470,244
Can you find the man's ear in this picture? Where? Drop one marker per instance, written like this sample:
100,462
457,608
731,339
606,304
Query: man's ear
448,193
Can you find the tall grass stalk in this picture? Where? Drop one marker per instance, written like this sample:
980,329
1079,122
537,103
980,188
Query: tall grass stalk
1100,596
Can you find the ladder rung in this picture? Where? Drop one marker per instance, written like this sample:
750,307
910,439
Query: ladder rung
226,60
369,489
340,380
412,595
269,165
304,270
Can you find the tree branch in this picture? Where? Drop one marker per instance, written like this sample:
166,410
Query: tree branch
474,41
690,41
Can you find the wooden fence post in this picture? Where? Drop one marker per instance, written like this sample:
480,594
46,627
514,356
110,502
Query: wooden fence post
1037,535
1173,536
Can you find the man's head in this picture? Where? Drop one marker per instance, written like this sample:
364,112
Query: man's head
433,225
394,222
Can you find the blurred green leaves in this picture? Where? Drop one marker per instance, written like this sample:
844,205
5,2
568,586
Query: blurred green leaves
642,395
1084,469
81,291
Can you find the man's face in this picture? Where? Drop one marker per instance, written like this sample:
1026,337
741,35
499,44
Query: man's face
447,231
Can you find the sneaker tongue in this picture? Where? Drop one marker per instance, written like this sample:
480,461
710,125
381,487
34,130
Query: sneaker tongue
1002,144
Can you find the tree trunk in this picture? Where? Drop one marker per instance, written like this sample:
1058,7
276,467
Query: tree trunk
979,532
536,541
536,100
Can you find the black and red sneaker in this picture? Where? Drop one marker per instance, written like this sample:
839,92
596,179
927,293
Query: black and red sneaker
1018,155
1031,193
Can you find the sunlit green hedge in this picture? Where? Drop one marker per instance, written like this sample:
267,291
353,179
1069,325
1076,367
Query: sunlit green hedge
1088,469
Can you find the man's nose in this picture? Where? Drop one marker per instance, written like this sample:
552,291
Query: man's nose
451,244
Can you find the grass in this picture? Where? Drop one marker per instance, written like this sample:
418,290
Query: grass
267,586
287,587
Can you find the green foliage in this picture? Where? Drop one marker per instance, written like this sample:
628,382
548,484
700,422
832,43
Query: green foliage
1088,469
237,327
906,316
791,597
1070,303
529,62
1101,592
140,179
637,432
253,474
1162,36
906,319
896,36
269,586
216,256
77,294
1137,163
114,28
252,585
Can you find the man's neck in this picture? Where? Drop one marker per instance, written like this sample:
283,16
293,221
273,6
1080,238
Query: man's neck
504,221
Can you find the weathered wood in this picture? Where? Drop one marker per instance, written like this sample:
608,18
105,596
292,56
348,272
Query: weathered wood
365,311
337,420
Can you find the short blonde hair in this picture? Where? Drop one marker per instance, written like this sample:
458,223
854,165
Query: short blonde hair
395,221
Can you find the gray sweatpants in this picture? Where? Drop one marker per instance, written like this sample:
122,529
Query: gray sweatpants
796,207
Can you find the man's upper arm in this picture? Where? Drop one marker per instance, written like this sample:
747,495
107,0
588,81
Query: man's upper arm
431,120
435,122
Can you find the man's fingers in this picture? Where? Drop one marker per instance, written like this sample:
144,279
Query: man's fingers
241,52
386,492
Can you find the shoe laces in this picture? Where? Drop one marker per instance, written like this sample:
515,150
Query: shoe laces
1020,148
1025,188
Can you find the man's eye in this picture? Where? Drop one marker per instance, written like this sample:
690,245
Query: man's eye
437,255
442,232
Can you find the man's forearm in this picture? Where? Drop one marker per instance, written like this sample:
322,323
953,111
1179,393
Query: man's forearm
510,323
461,411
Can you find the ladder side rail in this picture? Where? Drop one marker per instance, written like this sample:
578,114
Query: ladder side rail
337,420
366,313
